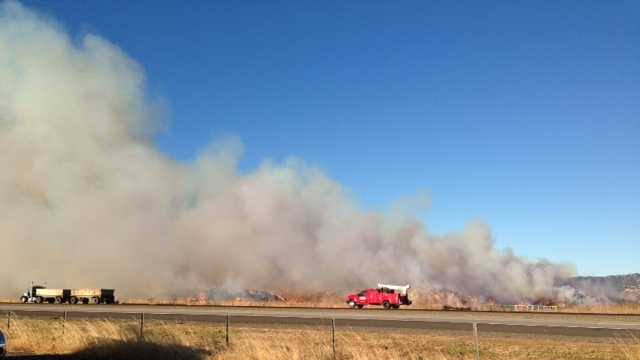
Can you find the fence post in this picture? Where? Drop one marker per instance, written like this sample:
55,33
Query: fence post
141,336
226,330
333,336
64,322
476,340
8,320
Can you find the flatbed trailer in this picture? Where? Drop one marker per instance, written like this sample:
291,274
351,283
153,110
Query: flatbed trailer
92,296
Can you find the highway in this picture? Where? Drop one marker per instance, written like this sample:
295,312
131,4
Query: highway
590,325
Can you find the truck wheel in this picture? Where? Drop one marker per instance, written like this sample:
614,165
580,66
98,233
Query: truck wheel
360,306
38,300
95,300
386,305
58,300
24,299
352,304
396,306
73,300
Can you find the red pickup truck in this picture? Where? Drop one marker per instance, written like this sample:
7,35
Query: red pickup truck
389,296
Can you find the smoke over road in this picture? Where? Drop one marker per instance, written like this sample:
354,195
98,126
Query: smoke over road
87,199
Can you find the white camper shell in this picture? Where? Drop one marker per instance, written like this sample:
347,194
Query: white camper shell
401,289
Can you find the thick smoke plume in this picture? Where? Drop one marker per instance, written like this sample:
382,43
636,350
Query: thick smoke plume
87,200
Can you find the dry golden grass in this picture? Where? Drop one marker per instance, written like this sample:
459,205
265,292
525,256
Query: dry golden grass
113,339
310,302
603,309
53,336
358,345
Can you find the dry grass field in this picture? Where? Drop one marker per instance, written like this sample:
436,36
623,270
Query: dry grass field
604,309
119,339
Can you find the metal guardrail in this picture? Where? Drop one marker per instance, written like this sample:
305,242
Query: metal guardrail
530,308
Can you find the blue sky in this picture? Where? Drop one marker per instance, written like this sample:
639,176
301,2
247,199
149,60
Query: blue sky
521,114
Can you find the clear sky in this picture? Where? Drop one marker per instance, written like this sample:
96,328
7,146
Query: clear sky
525,115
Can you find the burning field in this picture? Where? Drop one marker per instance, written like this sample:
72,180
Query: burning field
87,192
611,294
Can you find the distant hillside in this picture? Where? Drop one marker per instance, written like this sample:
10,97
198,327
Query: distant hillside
603,289
618,282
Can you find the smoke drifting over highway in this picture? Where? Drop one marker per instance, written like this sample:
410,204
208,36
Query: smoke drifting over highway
87,199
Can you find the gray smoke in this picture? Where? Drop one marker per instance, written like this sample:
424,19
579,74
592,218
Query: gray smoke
87,200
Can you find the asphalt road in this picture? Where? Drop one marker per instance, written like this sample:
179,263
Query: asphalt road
591,325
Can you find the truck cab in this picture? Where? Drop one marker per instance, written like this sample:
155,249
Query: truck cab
30,295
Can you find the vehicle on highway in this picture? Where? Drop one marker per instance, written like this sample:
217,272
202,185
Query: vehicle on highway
39,294
3,345
389,296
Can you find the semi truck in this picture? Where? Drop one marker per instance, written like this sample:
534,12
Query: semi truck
389,296
39,294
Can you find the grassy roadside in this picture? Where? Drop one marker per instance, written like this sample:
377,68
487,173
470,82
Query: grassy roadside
113,339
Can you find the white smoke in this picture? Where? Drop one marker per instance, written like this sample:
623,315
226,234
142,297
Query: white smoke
87,200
